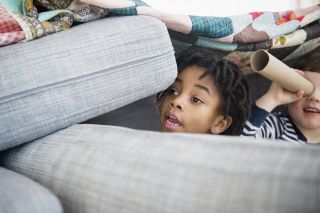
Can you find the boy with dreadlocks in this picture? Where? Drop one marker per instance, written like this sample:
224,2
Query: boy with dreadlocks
208,96
302,122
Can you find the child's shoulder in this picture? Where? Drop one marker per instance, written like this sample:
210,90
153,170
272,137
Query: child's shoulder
282,116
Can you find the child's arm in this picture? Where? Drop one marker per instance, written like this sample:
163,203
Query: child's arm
262,123
276,96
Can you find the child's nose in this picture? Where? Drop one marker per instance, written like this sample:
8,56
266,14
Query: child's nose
315,95
178,102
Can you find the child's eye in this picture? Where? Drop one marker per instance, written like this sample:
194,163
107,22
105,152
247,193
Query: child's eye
172,92
196,100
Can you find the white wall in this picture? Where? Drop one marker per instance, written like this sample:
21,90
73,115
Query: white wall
226,7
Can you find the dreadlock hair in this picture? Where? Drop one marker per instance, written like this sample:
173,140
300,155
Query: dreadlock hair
233,88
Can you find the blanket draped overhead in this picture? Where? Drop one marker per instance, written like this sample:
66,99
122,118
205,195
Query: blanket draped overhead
287,34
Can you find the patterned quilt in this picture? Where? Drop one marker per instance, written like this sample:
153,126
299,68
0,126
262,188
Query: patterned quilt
287,34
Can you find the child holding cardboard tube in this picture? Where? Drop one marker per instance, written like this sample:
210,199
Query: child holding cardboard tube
302,122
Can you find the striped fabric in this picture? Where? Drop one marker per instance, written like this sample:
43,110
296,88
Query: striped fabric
212,27
263,124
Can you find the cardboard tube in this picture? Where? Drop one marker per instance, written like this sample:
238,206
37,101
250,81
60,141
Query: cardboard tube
272,68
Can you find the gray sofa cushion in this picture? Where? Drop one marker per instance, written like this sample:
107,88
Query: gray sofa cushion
19,194
71,76
96,168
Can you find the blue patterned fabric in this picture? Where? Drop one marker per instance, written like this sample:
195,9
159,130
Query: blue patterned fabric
211,27
129,11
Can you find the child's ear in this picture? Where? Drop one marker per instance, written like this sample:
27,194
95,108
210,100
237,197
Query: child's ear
221,124
158,104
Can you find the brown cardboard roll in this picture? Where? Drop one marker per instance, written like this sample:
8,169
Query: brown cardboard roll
272,68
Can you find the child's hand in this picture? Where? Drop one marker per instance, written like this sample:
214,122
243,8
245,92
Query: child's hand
277,96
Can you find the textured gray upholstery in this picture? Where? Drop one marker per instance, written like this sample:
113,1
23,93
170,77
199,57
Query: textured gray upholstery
69,77
94,68
19,194
96,168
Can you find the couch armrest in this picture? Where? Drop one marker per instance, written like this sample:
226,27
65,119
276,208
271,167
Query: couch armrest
95,168
19,194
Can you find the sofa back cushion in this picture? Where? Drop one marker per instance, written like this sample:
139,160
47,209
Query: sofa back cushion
71,76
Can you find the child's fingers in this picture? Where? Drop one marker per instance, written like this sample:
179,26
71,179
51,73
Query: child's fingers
299,94
300,72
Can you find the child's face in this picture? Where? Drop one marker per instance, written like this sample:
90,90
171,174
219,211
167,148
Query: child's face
191,104
305,113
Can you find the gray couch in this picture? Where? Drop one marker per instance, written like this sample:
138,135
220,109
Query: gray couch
56,156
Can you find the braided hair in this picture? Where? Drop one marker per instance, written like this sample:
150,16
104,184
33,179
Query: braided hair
228,79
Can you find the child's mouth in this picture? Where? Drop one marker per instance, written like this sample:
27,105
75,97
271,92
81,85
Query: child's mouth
172,122
311,110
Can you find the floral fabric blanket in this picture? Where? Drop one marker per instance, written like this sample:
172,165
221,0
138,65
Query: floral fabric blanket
25,20
294,32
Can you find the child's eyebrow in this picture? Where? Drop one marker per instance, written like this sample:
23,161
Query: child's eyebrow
197,85
203,88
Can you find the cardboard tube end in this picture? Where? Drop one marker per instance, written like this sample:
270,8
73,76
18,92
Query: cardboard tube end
309,89
259,60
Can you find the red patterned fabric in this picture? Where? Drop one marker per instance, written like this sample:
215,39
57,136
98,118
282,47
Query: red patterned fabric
10,30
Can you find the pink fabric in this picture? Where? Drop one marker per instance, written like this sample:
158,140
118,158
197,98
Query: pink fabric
10,30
